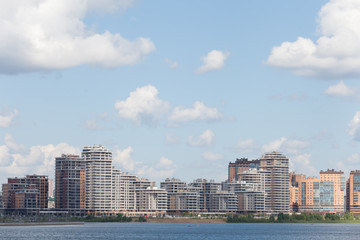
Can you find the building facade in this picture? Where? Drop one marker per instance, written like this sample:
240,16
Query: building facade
30,192
276,165
353,192
319,195
70,184
181,197
98,179
240,165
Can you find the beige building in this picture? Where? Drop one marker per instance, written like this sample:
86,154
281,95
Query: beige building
319,195
353,192
277,183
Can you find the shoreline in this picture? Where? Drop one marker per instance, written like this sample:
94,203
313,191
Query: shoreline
40,224
186,220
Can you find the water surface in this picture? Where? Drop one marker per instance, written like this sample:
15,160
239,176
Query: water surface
159,231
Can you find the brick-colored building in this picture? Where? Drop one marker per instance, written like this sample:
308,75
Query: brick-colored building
320,195
70,175
30,192
239,166
353,192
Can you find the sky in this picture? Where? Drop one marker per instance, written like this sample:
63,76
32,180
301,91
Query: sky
179,88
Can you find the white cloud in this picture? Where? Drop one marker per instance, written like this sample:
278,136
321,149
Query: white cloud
10,142
349,164
207,138
340,90
164,168
17,160
124,159
214,60
171,139
288,146
111,6
354,127
42,35
5,157
212,156
302,164
246,146
199,112
143,106
172,64
336,54
6,119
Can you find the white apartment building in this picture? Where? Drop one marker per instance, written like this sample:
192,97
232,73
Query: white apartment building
98,178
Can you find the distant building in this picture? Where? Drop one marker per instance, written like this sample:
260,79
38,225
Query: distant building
277,183
98,179
153,200
206,189
239,166
353,192
70,176
222,201
30,192
181,197
321,195
51,188
250,191
295,190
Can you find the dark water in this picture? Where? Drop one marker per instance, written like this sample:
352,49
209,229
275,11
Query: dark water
158,231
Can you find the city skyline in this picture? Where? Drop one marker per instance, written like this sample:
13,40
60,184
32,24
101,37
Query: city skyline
179,90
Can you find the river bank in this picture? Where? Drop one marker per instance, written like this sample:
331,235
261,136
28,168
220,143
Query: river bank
186,220
40,224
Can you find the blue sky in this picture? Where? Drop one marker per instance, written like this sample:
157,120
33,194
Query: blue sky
179,89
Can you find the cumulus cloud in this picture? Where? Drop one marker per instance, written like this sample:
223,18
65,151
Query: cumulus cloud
44,35
302,164
124,159
335,54
354,127
17,160
340,90
288,146
110,6
214,60
349,164
164,168
246,146
212,156
207,138
172,64
143,106
199,112
7,118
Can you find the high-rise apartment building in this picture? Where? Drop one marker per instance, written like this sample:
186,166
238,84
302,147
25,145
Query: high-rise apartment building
222,201
206,188
353,192
70,184
152,199
294,189
30,192
98,178
239,166
319,195
250,190
277,187
332,189
181,197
